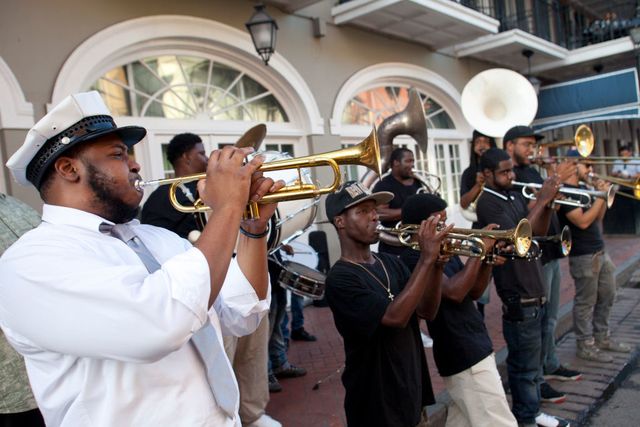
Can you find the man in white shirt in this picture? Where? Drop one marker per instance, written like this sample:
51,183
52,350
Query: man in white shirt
107,339
626,168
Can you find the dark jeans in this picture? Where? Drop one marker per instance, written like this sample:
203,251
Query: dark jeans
524,342
297,317
277,347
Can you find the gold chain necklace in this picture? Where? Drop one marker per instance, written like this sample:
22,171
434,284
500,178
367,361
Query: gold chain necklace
388,286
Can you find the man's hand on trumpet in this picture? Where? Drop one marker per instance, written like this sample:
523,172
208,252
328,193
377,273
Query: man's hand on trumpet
430,240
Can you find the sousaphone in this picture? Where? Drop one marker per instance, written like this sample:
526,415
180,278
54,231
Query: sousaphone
493,102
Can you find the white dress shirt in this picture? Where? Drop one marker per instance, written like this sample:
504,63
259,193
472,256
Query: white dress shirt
105,342
628,169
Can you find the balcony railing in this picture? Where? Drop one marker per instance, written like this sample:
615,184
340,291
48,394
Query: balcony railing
548,19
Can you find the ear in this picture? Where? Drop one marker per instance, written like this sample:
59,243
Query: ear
338,221
68,168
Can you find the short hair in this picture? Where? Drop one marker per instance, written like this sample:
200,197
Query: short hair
181,144
397,153
624,147
492,158
420,207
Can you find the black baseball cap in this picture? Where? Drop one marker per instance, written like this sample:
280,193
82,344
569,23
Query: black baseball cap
350,194
520,132
421,206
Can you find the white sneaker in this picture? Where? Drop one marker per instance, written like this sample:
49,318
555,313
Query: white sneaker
546,420
427,342
264,421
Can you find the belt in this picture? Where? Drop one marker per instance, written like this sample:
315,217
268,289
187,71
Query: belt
532,302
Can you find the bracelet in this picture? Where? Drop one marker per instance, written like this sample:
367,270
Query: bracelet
256,236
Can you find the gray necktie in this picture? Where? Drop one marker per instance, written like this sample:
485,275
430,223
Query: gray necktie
206,342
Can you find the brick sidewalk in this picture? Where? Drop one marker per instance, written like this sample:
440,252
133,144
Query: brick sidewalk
299,405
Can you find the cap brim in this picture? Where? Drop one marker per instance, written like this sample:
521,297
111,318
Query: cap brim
538,137
381,197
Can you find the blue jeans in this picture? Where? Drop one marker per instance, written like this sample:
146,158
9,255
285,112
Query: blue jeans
524,341
277,347
297,317
552,278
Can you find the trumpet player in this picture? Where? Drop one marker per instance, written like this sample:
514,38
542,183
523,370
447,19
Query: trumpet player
186,154
462,348
119,322
519,143
402,184
592,271
376,302
519,284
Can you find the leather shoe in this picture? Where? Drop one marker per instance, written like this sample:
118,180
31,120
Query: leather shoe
289,371
264,421
302,335
274,385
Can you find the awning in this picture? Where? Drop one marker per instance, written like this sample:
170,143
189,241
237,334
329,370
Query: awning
603,97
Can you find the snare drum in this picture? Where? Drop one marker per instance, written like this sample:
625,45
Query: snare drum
292,217
299,273
302,280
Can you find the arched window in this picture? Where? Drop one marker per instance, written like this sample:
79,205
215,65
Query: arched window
372,106
444,158
187,87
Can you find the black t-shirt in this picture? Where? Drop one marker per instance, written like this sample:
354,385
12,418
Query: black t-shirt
400,193
158,211
517,277
468,180
460,338
386,378
550,250
583,242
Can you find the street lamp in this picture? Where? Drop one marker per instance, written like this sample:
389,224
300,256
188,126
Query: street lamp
262,28
535,82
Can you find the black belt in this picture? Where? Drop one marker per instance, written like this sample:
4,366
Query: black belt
532,302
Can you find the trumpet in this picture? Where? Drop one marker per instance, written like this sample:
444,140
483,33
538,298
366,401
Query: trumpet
589,195
564,238
366,153
465,241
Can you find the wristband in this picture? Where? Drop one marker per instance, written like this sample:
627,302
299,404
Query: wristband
256,236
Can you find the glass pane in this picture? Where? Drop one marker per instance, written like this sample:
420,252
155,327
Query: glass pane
187,87
374,105
168,167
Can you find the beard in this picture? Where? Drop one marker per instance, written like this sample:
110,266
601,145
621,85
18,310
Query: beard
111,206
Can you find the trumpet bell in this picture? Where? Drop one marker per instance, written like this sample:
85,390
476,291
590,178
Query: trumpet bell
495,100
522,238
584,140
565,240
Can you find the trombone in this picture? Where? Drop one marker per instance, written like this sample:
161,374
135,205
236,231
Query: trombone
465,241
583,140
633,183
609,195
366,153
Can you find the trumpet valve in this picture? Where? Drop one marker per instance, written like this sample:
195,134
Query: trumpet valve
252,211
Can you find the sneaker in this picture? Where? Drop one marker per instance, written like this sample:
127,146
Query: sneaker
612,345
264,421
274,385
302,335
588,351
550,395
564,374
289,371
546,420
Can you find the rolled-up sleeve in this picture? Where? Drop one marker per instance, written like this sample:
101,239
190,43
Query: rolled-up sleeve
238,307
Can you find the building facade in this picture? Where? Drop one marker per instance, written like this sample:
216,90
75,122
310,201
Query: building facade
339,68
